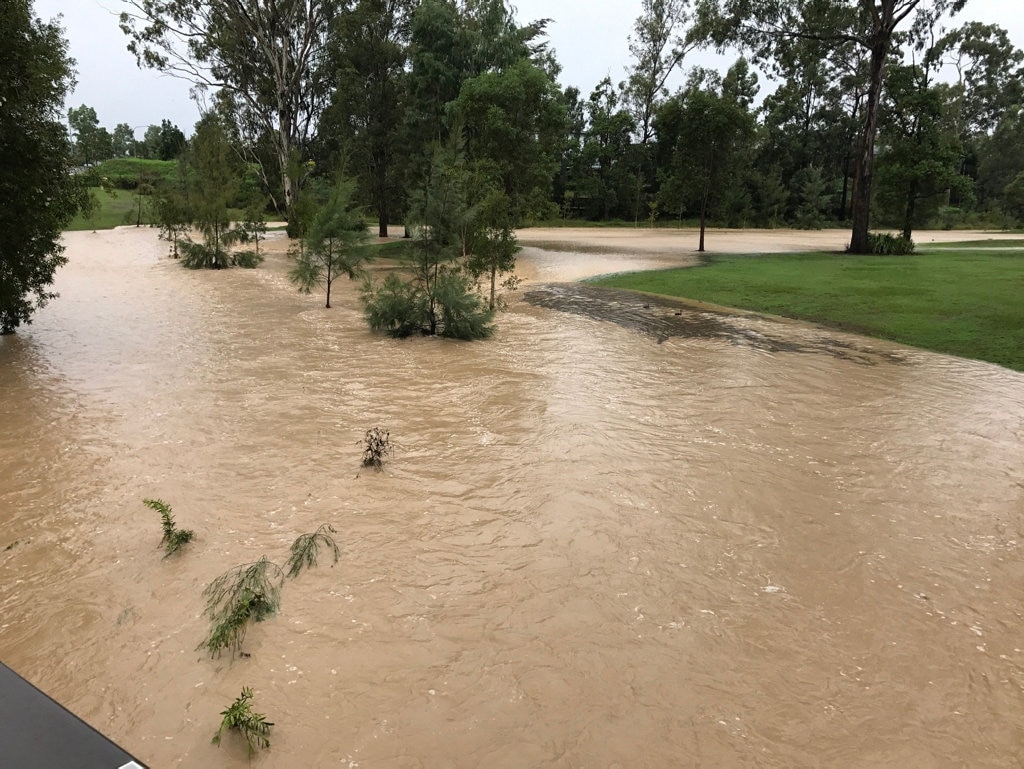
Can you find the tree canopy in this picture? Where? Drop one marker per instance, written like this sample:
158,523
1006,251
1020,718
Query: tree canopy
38,192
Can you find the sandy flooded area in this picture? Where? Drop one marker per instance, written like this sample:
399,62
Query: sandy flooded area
717,541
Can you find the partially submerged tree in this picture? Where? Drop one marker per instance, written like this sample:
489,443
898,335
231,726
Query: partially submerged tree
39,194
439,297
333,245
174,538
240,717
214,181
251,591
492,243
305,550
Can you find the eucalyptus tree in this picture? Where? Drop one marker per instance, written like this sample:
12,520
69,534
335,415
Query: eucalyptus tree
920,147
451,43
265,56
122,141
658,45
769,28
989,73
39,194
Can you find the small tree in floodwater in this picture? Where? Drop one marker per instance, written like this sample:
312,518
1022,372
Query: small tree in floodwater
440,295
251,591
334,244
171,209
492,243
214,184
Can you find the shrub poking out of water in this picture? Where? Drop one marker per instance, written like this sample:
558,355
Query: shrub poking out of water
306,548
240,716
376,446
248,592
174,537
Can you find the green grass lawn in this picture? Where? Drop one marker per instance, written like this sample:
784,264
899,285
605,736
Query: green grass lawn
967,302
113,210
121,207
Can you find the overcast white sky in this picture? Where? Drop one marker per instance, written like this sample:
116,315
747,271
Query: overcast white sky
589,36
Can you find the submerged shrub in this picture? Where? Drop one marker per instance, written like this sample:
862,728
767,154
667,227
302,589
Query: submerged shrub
200,256
396,307
240,717
376,446
251,591
306,548
247,258
173,537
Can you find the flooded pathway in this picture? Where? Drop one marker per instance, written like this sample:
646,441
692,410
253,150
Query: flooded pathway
613,536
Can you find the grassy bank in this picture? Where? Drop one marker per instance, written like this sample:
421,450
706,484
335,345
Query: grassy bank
113,209
968,302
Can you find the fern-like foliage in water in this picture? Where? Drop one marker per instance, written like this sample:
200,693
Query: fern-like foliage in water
174,537
306,548
240,716
251,591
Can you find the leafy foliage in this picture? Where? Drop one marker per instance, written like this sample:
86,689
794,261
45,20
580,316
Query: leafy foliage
248,592
394,307
240,716
333,245
39,194
306,548
439,297
886,244
173,537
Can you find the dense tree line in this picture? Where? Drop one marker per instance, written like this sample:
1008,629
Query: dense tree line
888,114
881,109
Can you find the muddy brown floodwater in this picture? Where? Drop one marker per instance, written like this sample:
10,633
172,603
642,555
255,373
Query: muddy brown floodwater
614,536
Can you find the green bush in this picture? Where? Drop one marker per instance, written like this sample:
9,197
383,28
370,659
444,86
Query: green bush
240,717
396,308
889,244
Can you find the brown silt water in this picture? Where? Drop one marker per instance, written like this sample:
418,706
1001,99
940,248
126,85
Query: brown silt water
623,533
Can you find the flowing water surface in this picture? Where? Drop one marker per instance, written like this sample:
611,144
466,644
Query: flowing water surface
623,533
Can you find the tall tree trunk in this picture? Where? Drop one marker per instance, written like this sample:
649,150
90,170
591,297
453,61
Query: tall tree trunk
703,219
494,277
864,169
908,211
382,217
